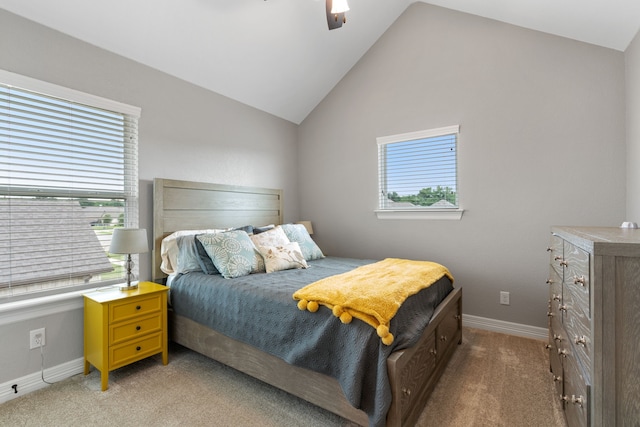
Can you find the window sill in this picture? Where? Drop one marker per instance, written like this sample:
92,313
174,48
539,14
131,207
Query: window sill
16,311
435,214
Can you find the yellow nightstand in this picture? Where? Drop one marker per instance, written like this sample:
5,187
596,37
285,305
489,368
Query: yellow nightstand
122,327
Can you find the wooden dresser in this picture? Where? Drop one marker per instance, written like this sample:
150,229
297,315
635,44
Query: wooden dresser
594,324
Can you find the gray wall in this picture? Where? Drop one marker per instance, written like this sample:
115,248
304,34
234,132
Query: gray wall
632,60
186,132
542,143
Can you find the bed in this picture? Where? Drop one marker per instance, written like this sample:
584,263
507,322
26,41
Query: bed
409,374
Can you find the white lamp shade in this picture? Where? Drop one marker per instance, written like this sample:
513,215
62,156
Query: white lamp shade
129,241
339,6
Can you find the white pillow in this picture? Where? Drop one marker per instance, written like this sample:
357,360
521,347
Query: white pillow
273,237
284,257
169,248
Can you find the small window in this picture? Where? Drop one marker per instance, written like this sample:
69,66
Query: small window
418,174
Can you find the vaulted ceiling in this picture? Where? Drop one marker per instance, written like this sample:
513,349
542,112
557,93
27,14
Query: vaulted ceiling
278,55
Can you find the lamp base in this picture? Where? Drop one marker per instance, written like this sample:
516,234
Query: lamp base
128,287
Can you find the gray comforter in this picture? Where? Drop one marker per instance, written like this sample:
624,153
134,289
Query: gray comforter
259,310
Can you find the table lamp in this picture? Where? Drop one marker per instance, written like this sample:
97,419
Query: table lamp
129,241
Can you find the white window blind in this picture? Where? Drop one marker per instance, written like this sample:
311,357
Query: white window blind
418,170
68,177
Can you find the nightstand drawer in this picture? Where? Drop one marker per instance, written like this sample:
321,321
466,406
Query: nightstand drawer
134,350
138,307
124,331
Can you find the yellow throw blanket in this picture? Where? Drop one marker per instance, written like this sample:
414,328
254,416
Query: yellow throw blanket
372,293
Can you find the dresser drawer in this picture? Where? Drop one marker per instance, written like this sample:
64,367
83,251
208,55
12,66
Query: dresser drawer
556,338
576,394
556,253
447,331
132,351
414,375
129,308
555,286
120,332
578,329
576,278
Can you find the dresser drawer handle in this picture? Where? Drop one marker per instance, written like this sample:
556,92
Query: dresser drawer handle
577,400
549,282
138,327
556,297
557,378
562,307
138,307
550,314
564,263
557,337
138,348
406,391
433,351
580,340
562,352
578,280
443,338
557,258
549,249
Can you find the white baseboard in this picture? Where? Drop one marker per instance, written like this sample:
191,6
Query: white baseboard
503,327
33,382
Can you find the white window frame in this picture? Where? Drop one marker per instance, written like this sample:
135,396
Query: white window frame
439,213
131,162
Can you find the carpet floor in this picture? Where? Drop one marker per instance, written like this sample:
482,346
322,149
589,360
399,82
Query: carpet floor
492,380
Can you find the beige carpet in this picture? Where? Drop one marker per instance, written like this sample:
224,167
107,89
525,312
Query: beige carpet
492,380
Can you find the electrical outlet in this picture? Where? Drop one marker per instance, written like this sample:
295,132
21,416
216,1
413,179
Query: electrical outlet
504,298
36,338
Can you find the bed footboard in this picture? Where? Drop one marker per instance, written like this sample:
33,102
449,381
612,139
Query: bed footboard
413,372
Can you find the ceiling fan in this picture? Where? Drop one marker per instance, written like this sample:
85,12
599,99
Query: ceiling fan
336,13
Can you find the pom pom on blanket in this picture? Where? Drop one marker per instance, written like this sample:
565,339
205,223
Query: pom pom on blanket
343,315
383,332
312,306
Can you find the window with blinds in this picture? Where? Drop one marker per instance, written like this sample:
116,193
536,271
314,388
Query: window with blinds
418,170
68,178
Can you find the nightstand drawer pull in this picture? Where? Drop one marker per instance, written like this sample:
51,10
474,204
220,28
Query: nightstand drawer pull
138,348
138,307
138,328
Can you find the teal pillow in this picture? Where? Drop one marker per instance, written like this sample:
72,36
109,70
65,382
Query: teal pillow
233,253
298,233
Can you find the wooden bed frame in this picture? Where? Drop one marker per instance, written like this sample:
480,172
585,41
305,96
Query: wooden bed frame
413,372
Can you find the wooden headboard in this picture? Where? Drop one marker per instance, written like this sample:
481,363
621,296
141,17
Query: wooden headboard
188,205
